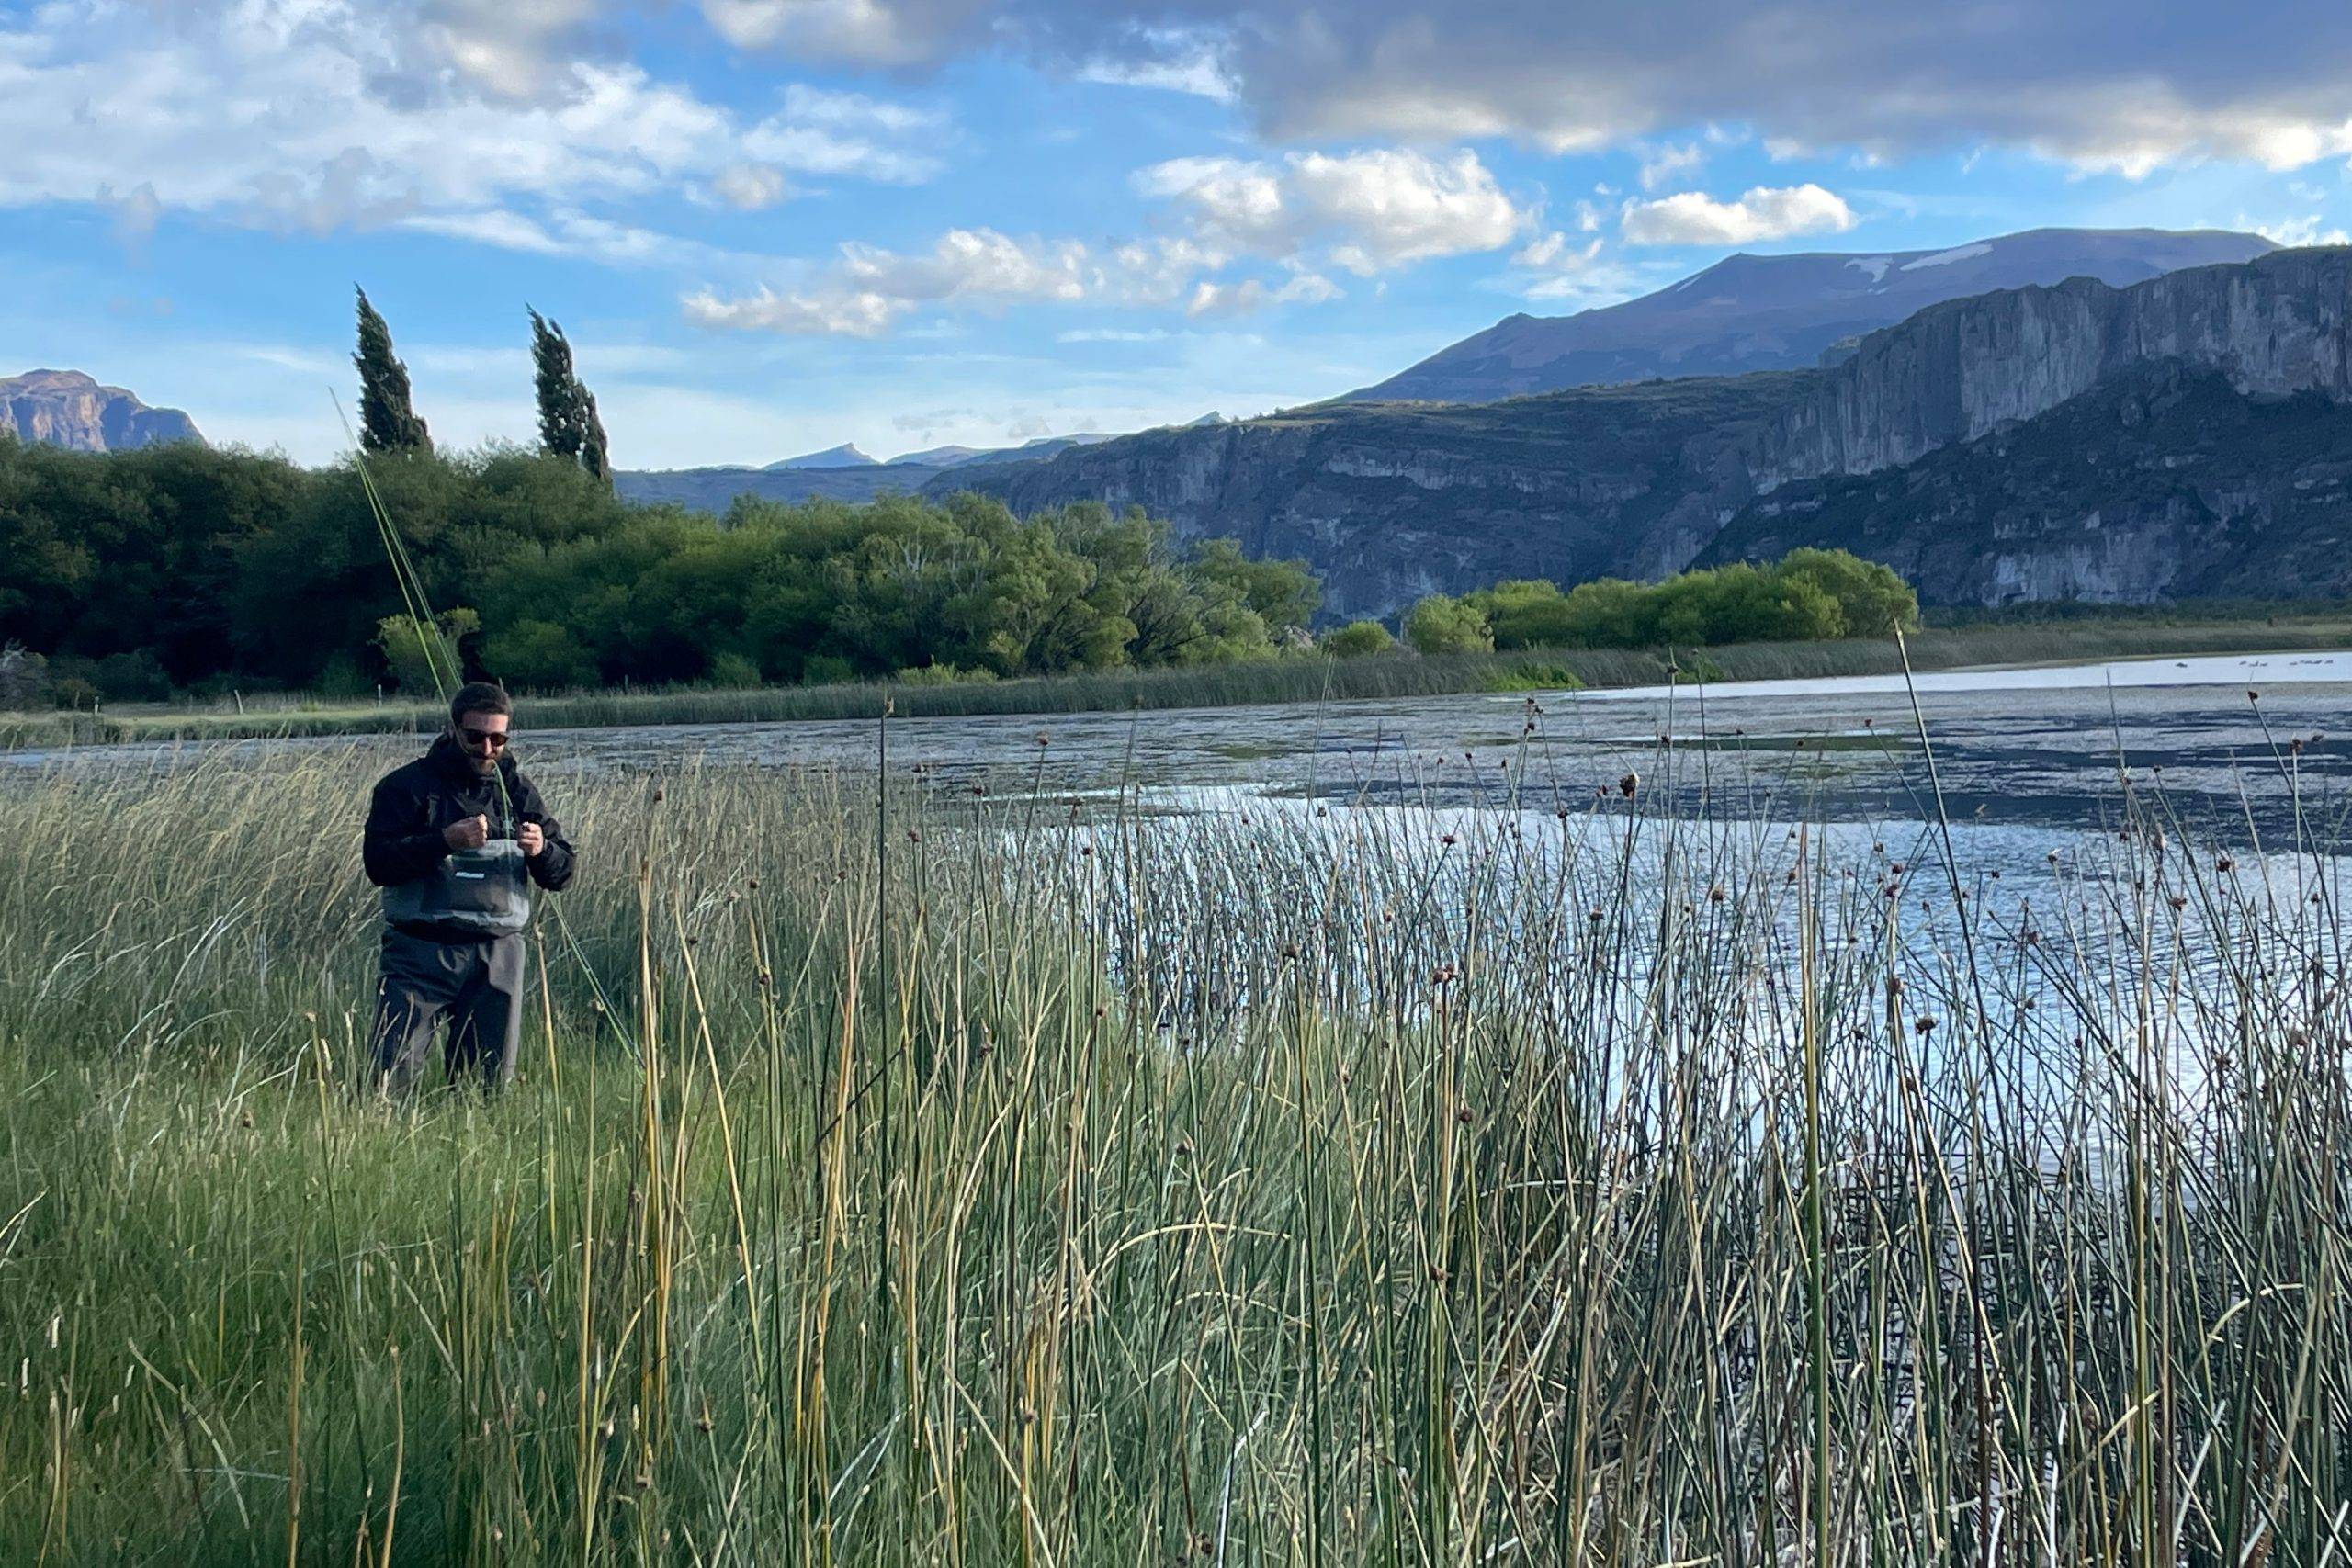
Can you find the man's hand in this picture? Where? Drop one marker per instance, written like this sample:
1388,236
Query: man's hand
469,833
534,840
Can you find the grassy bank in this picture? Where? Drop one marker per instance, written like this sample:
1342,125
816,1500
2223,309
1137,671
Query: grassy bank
996,1183
1286,680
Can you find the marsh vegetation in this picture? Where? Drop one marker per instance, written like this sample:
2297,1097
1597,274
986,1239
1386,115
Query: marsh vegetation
975,1173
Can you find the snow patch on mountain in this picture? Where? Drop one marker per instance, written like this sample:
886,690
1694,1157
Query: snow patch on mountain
1945,258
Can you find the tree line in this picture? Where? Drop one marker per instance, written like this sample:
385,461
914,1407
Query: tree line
181,568
145,574
1807,595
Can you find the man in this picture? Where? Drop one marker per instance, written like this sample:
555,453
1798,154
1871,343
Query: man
454,840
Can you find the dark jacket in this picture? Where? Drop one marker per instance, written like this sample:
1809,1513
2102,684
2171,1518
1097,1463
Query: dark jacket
413,803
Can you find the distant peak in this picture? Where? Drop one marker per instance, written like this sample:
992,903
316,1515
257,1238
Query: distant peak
846,456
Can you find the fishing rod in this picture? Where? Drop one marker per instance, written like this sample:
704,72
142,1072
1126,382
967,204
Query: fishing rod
419,610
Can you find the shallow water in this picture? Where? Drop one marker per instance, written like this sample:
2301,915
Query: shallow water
2053,749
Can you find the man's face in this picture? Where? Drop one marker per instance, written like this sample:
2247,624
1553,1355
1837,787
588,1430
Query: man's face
482,738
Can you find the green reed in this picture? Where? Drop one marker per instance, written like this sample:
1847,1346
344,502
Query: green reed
961,1173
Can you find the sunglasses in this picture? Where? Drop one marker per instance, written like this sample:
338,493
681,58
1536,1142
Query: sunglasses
487,739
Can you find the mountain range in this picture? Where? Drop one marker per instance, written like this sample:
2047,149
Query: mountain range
838,473
2033,443
2169,415
66,407
1751,313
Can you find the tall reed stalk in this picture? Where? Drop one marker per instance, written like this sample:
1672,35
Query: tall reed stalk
913,1169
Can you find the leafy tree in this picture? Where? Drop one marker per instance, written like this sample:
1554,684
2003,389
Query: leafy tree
426,659
1527,612
1357,639
386,422
1610,612
1441,623
107,552
1284,593
1872,598
536,654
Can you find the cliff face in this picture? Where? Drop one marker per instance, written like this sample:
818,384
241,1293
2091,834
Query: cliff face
65,408
1956,372
2163,482
1391,502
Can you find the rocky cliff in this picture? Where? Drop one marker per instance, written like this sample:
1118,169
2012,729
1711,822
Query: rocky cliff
1389,502
2164,482
1957,370
66,407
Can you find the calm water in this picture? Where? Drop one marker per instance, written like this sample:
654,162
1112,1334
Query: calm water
2048,750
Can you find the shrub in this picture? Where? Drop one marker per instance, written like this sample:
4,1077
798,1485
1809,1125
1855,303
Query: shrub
732,672
826,670
1358,639
1441,623
1534,678
543,655
941,675
136,676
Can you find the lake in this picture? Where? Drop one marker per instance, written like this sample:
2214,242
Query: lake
2233,745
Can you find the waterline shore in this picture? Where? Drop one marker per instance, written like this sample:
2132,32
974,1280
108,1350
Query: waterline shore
1304,679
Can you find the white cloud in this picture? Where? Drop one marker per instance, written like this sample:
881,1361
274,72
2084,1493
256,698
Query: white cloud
463,117
490,226
1556,252
1116,334
1367,211
748,188
1669,161
1693,218
2308,230
2088,82
570,233
841,314
1553,266
868,290
821,132
1170,60
1214,298
135,211
861,32
508,48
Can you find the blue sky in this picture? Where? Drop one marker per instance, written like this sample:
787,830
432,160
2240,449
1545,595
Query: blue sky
770,226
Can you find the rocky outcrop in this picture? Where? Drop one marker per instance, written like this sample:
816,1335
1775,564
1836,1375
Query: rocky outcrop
1389,502
65,408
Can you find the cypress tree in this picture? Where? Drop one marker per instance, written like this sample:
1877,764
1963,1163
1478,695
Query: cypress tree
386,422
557,388
593,454
569,425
